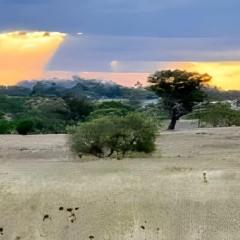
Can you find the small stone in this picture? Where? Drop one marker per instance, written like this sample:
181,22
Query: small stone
46,217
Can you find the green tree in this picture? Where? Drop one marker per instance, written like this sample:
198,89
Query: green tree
79,108
180,91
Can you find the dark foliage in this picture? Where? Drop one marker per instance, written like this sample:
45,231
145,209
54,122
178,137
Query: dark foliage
80,88
179,90
6,127
25,126
79,108
216,115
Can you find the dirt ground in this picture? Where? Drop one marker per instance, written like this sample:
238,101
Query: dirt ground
188,190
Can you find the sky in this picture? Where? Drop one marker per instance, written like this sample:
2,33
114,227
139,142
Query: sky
119,40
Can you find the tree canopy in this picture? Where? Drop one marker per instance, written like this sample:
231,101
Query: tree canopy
180,90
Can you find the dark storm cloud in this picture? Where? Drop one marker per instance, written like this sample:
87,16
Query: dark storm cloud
122,17
95,53
131,30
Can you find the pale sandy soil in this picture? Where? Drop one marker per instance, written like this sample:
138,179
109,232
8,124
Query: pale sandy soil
162,197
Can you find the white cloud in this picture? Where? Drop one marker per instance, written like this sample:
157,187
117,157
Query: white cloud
115,66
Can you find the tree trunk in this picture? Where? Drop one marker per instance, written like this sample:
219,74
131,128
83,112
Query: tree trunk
177,112
111,153
172,123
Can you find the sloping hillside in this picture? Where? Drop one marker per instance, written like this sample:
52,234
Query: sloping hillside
92,89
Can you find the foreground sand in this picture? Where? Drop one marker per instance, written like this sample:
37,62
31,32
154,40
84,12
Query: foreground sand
46,194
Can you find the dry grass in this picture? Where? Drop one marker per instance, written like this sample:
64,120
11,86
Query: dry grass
138,198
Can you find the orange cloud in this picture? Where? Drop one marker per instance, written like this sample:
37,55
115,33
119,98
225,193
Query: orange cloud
226,75
24,55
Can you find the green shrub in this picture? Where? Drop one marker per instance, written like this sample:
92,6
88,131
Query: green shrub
217,115
79,108
108,112
6,127
112,108
142,131
2,115
51,125
109,135
25,126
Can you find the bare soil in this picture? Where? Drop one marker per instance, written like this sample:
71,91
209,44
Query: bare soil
189,189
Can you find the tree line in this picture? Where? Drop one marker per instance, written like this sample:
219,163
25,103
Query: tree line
114,128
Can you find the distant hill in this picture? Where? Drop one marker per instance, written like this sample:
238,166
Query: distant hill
77,87
96,90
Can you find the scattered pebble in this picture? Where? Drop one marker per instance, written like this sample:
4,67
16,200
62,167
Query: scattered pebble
205,177
46,217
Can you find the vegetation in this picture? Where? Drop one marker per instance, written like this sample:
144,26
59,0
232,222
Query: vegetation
111,108
215,94
53,106
77,88
13,106
179,90
79,108
217,115
5,127
25,126
106,136
54,114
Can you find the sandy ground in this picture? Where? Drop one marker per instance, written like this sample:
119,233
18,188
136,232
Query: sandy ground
46,194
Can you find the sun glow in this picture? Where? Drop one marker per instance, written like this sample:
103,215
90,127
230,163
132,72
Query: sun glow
24,55
226,75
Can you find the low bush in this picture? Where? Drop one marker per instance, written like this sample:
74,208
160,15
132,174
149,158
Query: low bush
217,115
112,109
6,127
104,137
25,126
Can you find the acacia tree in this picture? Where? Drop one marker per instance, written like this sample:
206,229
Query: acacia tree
180,91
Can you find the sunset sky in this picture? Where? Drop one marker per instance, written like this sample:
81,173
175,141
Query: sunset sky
119,40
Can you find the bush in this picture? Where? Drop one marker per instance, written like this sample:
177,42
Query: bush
6,127
217,115
2,115
106,136
108,112
79,108
25,126
112,108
